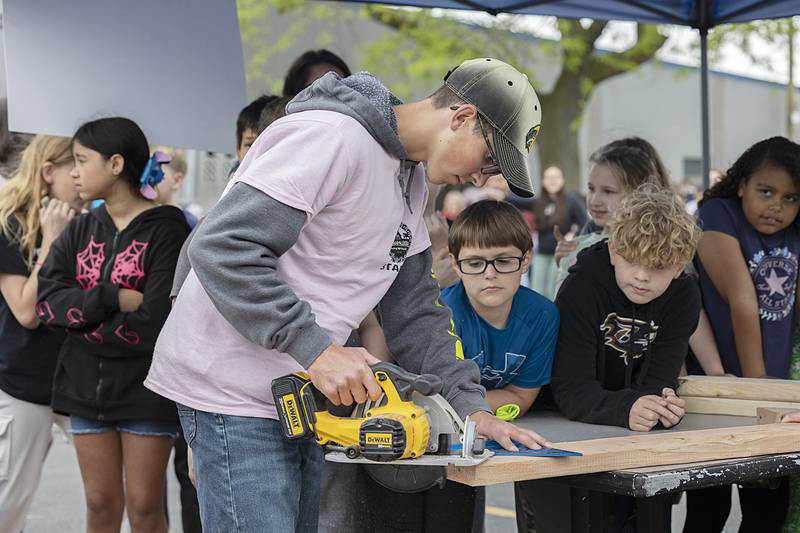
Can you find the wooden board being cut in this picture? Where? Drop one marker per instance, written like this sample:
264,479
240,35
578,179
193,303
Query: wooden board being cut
664,448
775,390
767,415
732,407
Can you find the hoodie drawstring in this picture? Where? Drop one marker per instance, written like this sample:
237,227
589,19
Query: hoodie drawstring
629,351
645,354
405,176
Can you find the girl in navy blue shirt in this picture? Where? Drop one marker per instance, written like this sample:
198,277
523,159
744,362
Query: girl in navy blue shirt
747,261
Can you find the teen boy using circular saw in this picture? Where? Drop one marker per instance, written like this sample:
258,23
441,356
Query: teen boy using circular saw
322,223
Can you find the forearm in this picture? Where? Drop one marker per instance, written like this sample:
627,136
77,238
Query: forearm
499,397
29,318
704,347
588,402
373,340
30,289
445,275
747,337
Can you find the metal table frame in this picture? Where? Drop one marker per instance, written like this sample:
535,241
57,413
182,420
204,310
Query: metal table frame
592,494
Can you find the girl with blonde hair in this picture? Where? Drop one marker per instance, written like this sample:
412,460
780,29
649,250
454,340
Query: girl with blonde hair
35,205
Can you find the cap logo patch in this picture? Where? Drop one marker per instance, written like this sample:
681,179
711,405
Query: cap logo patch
530,138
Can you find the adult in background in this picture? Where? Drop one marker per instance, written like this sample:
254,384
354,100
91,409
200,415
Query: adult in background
556,212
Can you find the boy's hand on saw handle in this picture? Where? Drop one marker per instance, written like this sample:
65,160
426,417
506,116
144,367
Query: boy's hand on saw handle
504,433
344,375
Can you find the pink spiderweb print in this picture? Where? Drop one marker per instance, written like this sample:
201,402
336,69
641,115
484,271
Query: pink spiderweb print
44,312
75,318
128,264
94,337
128,335
88,263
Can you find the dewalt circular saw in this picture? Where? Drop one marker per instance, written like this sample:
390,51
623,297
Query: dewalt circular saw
411,432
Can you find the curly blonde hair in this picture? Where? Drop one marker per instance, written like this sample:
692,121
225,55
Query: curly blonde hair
652,228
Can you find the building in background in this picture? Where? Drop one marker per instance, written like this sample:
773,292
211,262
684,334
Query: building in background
660,102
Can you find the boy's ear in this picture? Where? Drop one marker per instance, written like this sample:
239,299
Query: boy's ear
454,266
462,115
526,260
678,271
612,255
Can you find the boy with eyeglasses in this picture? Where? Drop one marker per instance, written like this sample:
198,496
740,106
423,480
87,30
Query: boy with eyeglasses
509,331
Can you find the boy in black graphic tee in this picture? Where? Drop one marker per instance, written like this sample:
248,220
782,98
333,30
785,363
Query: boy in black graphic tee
627,312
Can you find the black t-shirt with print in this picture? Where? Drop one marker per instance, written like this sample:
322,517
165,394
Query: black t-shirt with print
27,357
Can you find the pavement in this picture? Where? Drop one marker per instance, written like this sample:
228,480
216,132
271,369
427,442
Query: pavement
59,506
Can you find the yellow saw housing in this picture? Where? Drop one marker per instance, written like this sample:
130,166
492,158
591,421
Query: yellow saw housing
398,429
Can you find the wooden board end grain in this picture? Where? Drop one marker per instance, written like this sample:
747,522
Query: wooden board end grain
771,415
636,451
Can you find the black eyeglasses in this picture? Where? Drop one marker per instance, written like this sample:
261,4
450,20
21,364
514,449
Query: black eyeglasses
494,168
478,265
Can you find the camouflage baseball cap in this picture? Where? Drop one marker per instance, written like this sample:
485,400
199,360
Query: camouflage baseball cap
505,99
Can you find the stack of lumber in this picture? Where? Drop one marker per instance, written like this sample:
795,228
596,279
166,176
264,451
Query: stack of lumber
649,449
737,396
768,399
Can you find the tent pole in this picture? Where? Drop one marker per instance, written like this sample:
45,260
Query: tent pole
704,104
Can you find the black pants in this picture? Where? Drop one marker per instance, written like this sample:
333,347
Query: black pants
545,506
190,509
451,509
763,509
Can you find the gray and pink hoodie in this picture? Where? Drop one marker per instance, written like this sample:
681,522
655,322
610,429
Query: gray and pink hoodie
107,353
321,224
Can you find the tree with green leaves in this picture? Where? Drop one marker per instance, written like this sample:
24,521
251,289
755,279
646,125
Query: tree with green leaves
422,47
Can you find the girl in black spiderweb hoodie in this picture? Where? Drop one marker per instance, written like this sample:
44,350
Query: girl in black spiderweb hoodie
627,312
106,281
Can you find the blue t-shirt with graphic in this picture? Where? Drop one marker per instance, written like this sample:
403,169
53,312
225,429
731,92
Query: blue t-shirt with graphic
772,261
522,353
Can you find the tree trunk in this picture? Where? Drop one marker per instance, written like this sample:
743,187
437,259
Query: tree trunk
558,141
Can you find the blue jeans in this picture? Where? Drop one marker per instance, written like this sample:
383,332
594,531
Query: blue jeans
143,428
249,477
